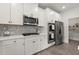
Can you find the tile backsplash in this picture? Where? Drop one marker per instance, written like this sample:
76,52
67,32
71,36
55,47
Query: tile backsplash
17,29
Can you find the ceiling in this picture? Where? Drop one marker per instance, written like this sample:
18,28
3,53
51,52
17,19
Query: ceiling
59,7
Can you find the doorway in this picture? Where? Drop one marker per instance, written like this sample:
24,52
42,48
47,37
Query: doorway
74,29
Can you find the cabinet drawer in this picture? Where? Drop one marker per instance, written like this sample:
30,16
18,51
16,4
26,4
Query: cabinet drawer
8,42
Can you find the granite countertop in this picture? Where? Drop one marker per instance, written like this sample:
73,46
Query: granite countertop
10,37
2,38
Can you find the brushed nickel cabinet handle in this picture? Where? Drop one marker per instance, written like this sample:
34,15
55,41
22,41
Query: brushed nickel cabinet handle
14,41
23,44
40,40
10,22
34,41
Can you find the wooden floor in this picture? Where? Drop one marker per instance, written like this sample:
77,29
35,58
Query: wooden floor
64,49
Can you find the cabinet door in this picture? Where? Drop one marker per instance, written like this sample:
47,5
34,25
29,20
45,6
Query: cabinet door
41,16
32,45
29,47
56,16
30,9
1,49
44,42
9,47
20,46
52,16
27,9
35,10
13,47
37,44
4,13
17,13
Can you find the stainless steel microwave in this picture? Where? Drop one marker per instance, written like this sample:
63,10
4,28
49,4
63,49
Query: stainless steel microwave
30,20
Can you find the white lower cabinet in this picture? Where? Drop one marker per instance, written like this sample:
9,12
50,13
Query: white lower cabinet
28,45
9,48
37,44
29,48
1,49
32,45
13,47
43,42
20,46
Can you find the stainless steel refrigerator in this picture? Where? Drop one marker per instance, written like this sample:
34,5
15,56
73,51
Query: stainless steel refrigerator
59,32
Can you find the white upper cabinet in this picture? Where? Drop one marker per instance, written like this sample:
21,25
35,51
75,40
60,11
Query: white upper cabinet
17,13
52,16
35,10
4,13
41,16
27,9
11,13
30,9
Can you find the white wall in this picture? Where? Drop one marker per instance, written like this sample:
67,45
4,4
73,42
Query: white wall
73,21
72,13
74,35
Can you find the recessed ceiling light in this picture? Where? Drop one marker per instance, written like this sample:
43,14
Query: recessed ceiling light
36,9
63,7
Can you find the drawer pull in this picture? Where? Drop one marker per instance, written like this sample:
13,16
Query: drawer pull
14,41
10,22
34,41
